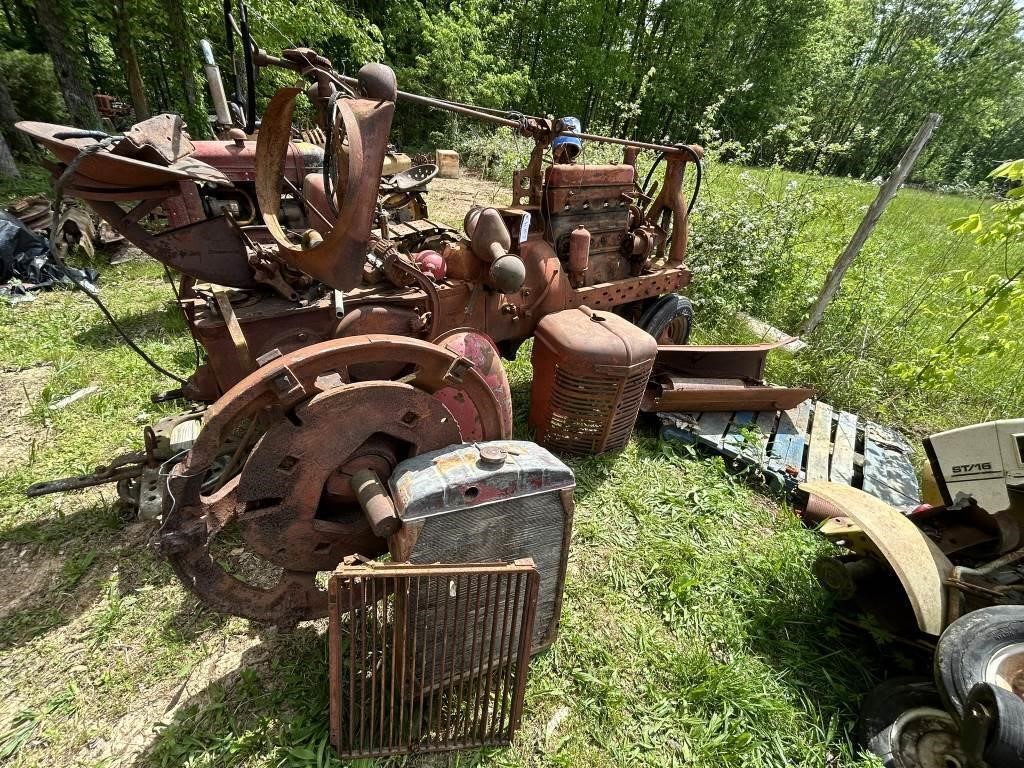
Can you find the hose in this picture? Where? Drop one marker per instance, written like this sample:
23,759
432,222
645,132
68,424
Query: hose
58,188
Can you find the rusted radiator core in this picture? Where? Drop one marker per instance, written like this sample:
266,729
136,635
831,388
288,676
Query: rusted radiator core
428,658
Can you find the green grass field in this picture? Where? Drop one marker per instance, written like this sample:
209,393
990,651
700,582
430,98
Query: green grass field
692,634
904,294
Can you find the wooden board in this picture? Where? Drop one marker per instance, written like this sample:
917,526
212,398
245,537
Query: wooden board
790,439
711,428
821,443
783,451
765,423
740,439
844,449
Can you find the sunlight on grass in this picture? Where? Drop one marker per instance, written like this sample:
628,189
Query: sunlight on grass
692,634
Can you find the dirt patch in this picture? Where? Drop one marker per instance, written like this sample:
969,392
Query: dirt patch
24,577
18,391
449,199
127,739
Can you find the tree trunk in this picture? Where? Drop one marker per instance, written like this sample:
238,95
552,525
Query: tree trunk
126,50
8,169
8,117
67,64
9,17
183,54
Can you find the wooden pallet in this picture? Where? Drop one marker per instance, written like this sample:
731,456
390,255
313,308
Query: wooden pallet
810,442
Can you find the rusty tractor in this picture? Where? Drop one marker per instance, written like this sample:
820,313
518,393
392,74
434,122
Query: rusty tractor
339,338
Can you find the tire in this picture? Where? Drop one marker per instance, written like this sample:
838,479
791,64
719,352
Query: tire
992,734
669,319
903,723
986,645
890,699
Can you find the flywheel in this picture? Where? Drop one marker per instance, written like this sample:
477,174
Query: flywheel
289,505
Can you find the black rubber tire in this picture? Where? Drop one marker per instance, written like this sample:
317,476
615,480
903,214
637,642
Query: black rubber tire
968,645
992,734
663,312
884,703
920,737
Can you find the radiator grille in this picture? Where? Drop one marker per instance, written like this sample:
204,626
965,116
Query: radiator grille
629,408
593,414
428,658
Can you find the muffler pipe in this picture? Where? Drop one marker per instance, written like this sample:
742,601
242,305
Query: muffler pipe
213,80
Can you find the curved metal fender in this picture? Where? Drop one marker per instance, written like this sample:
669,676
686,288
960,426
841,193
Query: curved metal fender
921,566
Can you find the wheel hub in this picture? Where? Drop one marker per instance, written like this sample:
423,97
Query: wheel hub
1006,669
927,738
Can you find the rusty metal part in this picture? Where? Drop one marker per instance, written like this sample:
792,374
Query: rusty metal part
579,255
338,260
453,501
126,467
242,352
428,658
100,168
687,394
590,370
481,351
869,525
160,139
669,204
818,509
543,129
376,503
320,424
717,378
730,361
209,250
597,197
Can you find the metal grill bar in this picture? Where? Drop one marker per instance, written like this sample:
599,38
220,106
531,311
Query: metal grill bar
428,658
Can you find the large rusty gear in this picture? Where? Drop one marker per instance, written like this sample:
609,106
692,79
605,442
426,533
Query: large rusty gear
290,501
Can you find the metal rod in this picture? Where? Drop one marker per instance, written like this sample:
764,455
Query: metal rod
469,111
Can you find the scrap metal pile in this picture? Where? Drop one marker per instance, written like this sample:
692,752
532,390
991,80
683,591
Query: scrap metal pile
352,404
946,578
352,407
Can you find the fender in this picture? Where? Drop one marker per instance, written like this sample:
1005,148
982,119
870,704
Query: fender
921,566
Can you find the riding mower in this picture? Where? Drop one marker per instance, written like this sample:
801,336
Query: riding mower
947,577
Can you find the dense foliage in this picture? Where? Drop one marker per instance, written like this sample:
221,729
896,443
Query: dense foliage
832,85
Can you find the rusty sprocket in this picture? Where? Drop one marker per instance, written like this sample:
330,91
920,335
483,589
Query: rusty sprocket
287,502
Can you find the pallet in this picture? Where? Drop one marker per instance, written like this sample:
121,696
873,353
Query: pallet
813,441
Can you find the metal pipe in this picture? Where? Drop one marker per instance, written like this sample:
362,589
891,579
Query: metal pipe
213,80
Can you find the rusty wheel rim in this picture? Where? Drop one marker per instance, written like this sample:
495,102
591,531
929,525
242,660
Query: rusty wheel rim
321,426
675,331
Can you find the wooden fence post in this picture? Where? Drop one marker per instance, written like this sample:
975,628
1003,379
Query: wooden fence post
885,195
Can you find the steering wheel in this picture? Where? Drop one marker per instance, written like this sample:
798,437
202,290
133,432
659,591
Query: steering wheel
412,178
